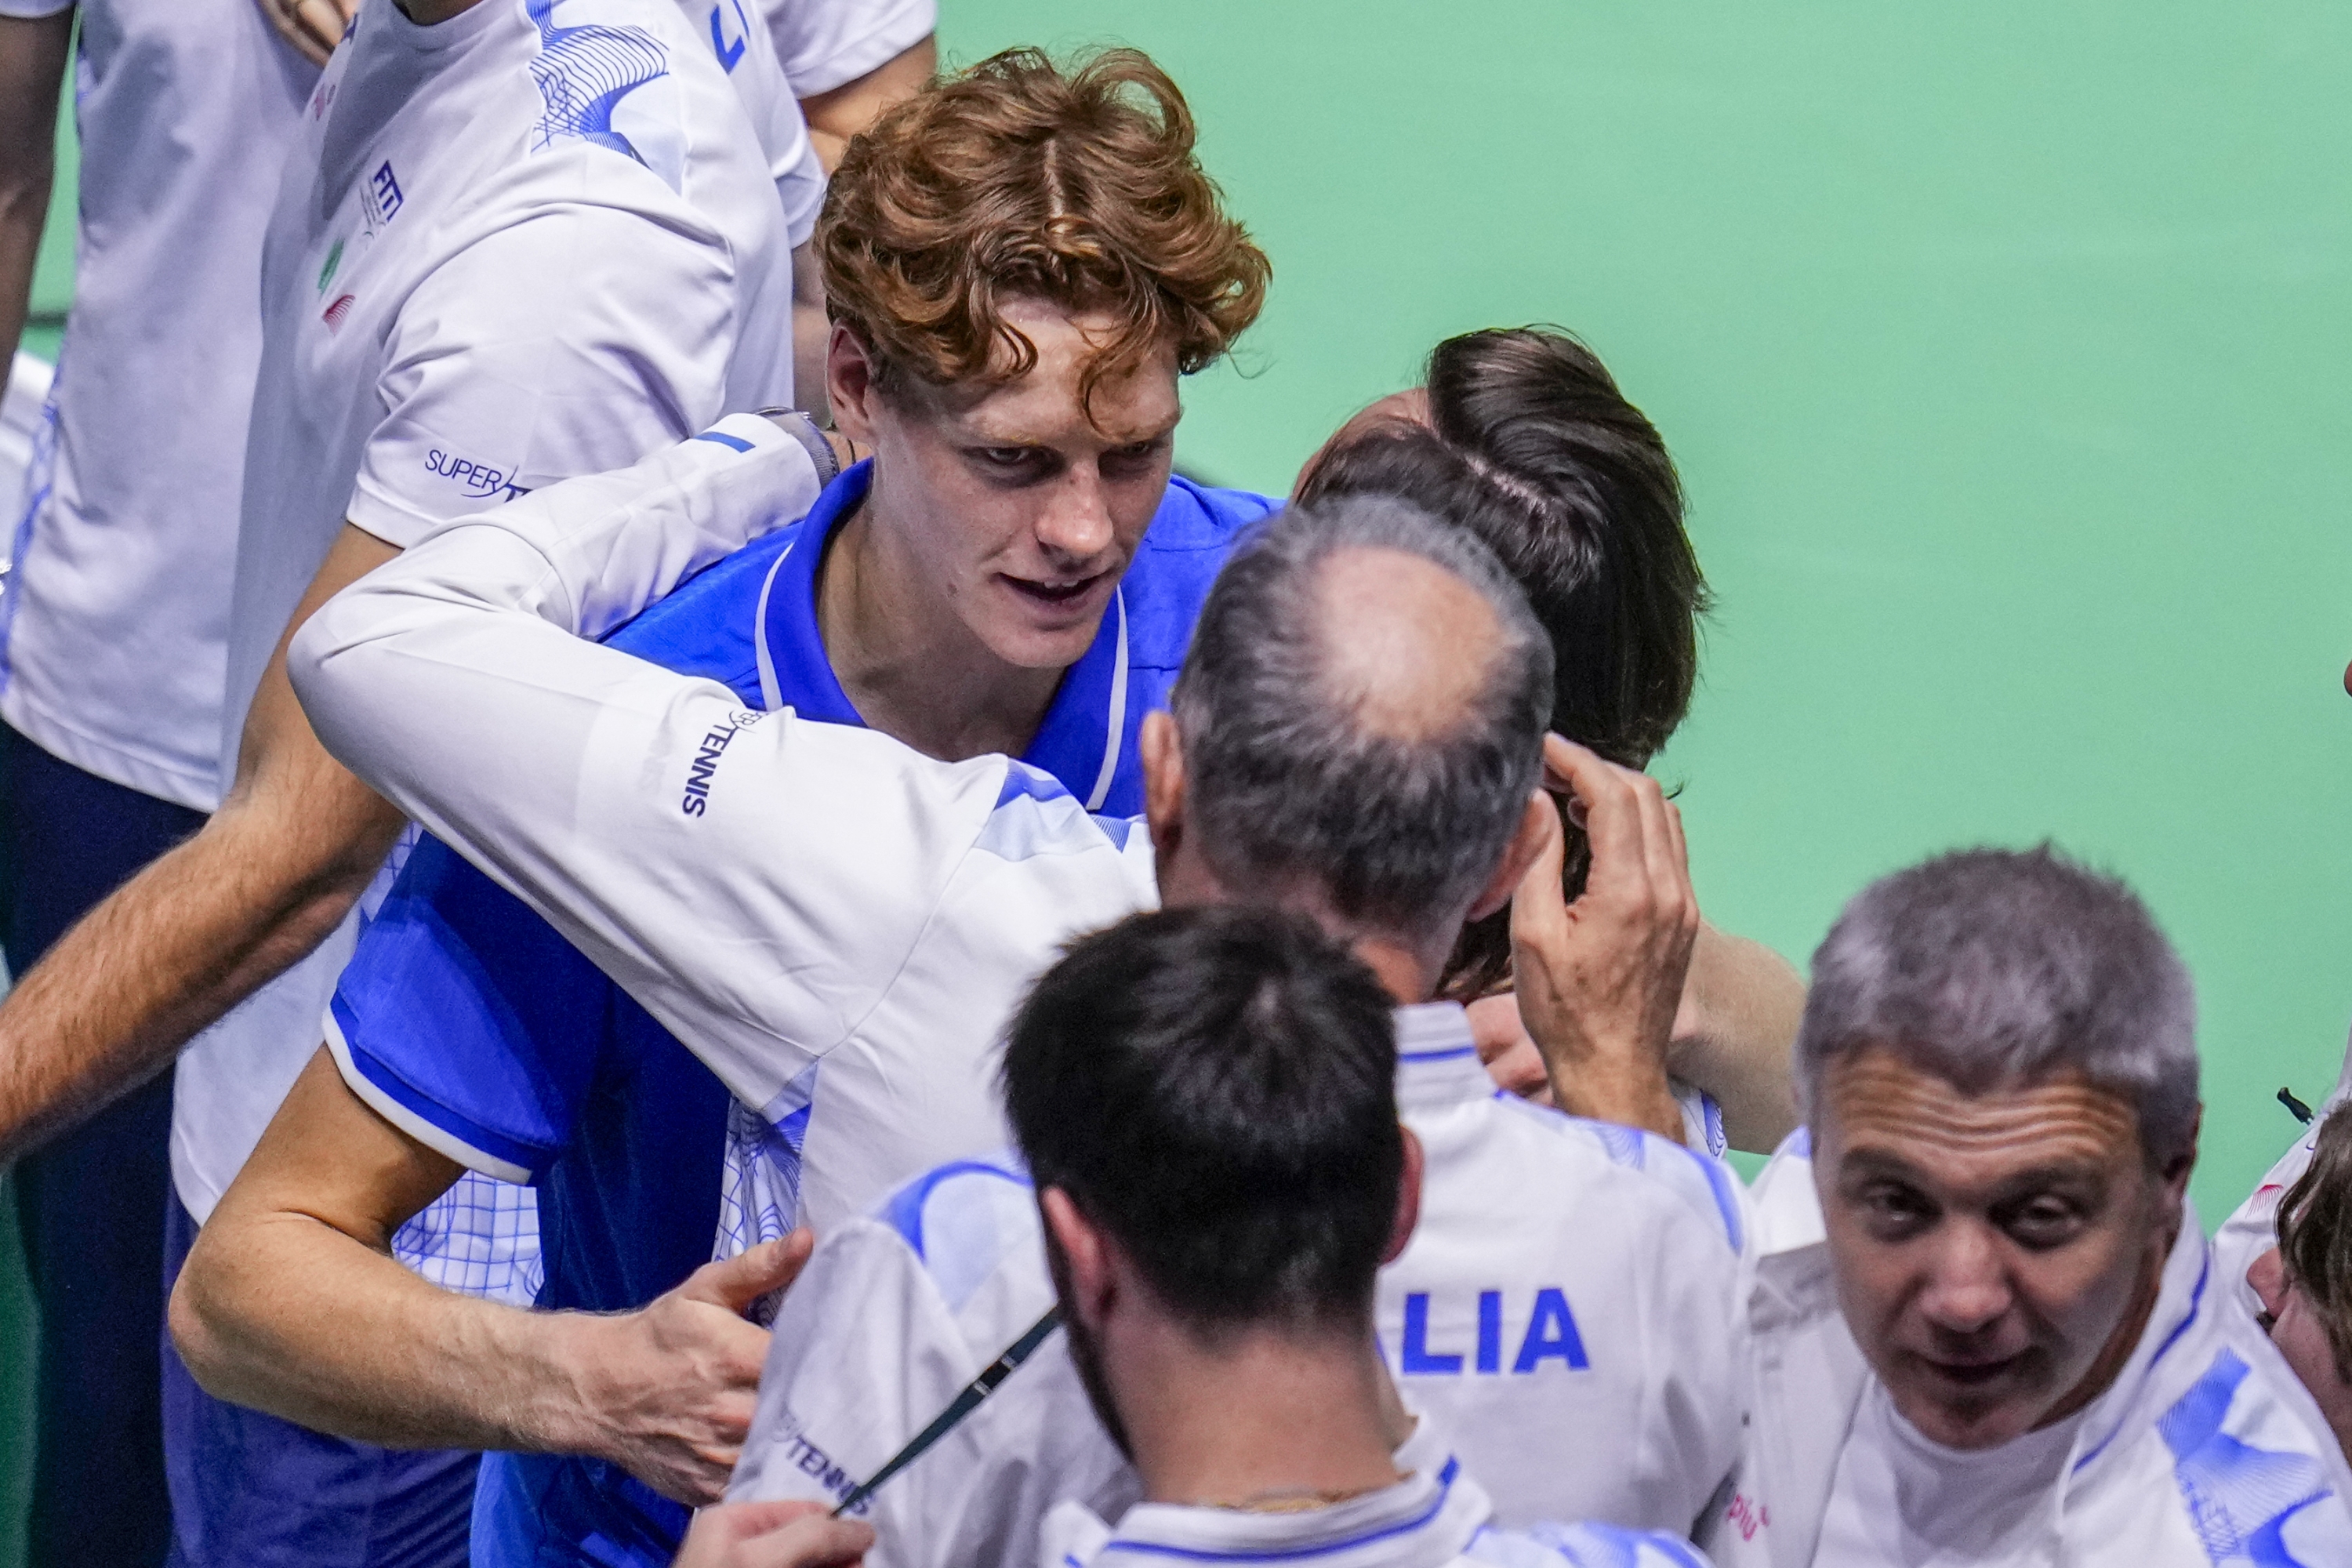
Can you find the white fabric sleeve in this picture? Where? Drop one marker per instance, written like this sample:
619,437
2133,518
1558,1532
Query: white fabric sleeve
868,1353
823,44
574,342
696,853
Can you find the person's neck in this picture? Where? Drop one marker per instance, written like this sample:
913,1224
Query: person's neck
905,659
1263,1420
425,12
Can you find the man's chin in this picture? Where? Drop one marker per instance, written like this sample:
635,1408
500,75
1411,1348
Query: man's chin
1968,1409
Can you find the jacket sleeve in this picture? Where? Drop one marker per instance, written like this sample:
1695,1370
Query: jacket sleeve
754,880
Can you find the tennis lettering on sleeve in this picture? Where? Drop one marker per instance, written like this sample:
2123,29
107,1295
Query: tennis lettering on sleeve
704,766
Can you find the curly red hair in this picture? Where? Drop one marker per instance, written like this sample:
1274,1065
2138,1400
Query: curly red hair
1020,179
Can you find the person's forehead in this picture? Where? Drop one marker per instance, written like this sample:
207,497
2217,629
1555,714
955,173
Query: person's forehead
1884,1111
1138,403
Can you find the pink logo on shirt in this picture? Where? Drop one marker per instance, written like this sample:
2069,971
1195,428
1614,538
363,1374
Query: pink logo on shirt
1747,1516
335,312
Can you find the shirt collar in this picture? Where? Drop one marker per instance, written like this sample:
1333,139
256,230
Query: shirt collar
1079,741
2186,1298
1437,1058
1424,1521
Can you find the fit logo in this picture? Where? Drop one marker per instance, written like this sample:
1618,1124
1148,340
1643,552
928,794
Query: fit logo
383,194
1547,1332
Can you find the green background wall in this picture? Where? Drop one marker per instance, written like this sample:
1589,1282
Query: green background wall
2000,347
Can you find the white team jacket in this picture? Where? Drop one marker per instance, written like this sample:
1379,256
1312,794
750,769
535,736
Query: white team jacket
2206,1451
1562,1311
1437,1517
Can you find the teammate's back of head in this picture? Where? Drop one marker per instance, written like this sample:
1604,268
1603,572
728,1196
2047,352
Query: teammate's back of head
1521,436
1018,178
1361,716
1213,1088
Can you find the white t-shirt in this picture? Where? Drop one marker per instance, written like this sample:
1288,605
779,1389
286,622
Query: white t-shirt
1904,1501
537,240
823,44
115,621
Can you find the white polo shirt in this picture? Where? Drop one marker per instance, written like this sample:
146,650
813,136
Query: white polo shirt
114,623
824,44
536,240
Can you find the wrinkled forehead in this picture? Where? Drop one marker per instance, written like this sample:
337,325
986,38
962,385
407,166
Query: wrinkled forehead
1877,1109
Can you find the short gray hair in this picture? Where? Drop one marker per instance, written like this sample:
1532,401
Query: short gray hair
1286,782
1997,969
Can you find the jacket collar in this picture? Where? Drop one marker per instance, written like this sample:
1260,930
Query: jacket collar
1078,741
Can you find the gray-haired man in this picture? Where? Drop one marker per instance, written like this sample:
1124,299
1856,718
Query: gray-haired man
1987,1328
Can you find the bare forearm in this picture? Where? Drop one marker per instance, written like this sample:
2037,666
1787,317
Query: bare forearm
1736,1034
167,954
284,1313
32,65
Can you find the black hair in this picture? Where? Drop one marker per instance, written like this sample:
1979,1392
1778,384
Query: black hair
1532,447
1214,1088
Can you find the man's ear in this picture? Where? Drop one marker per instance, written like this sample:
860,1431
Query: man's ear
1163,780
849,383
1408,1209
1538,826
1086,1261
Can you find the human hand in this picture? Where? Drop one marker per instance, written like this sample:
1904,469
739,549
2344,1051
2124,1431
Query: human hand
1599,981
1505,1050
772,1535
313,27
668,1392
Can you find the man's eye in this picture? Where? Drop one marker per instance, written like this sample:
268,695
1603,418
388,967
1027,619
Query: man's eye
1896,1209
1005,457
2044,1223
1139,454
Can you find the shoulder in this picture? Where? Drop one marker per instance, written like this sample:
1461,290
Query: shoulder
1186,546
963,1223
1649,1168
1037,816
708,626
2248,1453
1582,1546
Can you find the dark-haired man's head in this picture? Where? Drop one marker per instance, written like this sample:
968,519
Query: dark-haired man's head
1521,436
2306,1282
1205,1099
1356,733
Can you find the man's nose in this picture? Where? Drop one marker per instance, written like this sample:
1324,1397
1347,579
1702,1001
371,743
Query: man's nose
1076,521
1967,1288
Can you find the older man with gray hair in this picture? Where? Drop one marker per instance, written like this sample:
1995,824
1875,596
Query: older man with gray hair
1986,1325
